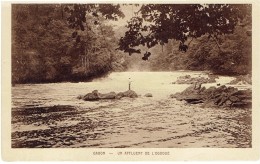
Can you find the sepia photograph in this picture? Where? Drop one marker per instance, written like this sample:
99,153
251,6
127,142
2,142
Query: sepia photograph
172,75
134,75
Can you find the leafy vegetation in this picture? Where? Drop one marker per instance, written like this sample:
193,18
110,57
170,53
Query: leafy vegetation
73,42
199,37
204,54
49,45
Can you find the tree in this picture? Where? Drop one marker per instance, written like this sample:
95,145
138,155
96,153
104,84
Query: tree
234,58
46,48
157,23
40,43
88,21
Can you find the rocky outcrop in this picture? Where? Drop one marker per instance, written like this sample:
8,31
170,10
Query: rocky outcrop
222,96
95,95
242,80
128,93
187,79
110,95
190,94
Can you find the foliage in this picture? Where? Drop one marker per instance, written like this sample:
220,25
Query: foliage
203,54
46,49
72,42
180,22
212,37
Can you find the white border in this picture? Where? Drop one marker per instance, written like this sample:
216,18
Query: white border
79,154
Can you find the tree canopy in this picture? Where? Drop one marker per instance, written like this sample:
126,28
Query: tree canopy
62,42
157,23
73,42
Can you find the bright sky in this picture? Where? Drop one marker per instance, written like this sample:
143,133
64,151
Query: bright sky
128,10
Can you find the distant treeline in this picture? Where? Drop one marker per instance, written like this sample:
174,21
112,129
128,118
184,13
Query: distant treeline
233,57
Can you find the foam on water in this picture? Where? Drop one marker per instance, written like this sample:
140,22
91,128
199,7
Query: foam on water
142,122
159,84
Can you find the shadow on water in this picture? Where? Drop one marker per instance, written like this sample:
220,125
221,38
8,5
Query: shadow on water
65,127
51,116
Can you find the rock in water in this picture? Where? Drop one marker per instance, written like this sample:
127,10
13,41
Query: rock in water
187,79
110,95
191,94
242,80
148,95
130,94
93,96
80,96
221,96
119,95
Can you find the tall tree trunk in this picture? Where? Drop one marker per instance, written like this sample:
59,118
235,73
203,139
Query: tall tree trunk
85,54
87,61
172,46
162,48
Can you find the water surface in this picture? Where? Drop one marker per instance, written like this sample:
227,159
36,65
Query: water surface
50,115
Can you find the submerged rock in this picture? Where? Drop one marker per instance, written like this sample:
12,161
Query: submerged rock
242,80
148,95
80,96
187,79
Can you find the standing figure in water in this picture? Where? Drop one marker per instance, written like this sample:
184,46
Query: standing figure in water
129,84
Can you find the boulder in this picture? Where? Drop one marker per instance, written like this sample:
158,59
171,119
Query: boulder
221,96
148,95
95,95
119,95
110,95
190,94
130,94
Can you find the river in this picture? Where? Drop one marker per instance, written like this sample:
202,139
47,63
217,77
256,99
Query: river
50,115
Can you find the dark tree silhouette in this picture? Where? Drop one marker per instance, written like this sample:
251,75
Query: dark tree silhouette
157,23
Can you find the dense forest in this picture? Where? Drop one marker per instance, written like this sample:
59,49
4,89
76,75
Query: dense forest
214,37
46,47
202,55
58,42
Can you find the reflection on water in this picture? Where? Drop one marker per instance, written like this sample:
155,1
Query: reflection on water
50,115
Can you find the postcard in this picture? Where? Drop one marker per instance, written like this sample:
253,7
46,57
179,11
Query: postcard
92,81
